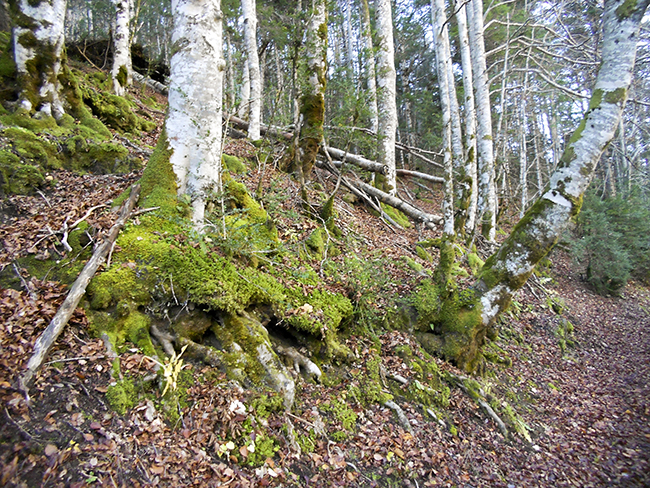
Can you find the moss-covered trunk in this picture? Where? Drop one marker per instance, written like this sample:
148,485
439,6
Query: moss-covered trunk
313,73
38,47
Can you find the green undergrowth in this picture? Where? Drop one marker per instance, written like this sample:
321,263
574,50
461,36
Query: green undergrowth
30,147
235,281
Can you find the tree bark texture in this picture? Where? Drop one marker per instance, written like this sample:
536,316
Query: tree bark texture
121,73
38,45
313,79
193,124
470,122
370,70
487,200
443,68
386,92
253,62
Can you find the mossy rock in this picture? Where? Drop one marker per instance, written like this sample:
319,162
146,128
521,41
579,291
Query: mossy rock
17,178
116,112
33,149
234,164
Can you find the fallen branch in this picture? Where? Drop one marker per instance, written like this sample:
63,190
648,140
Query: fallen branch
427,219
422,176
276,132
359,161
153,84
51,333
359,194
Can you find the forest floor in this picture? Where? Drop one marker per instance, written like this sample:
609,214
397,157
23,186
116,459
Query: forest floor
581,397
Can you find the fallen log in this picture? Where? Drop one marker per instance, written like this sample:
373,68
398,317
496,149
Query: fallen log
51,333
359,161
422,176
264,129
153,84
429,220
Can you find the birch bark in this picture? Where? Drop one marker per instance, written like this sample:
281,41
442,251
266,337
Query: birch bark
443,68
38,41
535,235
121,73
244,104
470,119
467,316
193,124
250,40
386,92
313,81
487,201
370,71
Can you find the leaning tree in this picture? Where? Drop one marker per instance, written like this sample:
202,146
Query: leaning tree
466,317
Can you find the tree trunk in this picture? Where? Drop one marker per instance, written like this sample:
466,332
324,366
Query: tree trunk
244,104
471,314
470,120
121,73
193,125
38,42
370,71
487,200
250,40
386,92
312,84
443,68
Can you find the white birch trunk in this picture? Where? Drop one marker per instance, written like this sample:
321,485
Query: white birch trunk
443,68
370,71
121,73
41,45
193,123
348,36
523,160
470,119
487,200
386,92
250,40
244,104
536,234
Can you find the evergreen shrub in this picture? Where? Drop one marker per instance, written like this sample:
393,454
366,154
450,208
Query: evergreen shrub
611,242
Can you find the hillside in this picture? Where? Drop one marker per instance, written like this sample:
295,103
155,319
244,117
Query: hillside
567,375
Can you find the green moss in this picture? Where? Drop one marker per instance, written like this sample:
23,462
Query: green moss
423,254
136,326
234,164
158,182
417,267
342,413
617,96
315,243
33,149
626,9
117,112
475,263
427,303
397,215
122,396
122,75
17,178
266,404
370,389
